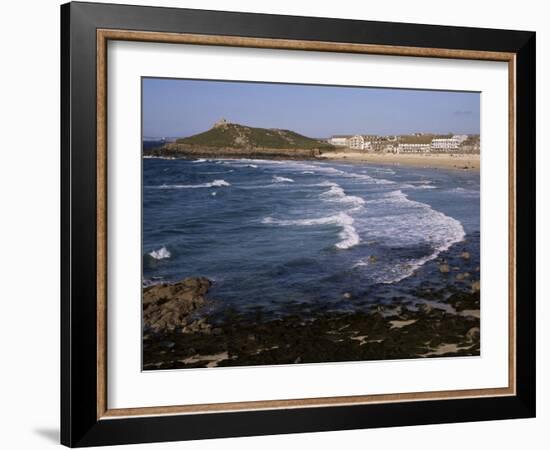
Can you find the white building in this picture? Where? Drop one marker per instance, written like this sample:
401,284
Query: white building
460,137
339,140
359,142
356,142
417,143
445,144
410,147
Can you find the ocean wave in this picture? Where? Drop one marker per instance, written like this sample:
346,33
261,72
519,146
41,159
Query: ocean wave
389,171
348,235
278,179
251,161
418,186
337,194
330,170
242,164
368,178
409,223
215,183
200,160
463,191
161,253
158,157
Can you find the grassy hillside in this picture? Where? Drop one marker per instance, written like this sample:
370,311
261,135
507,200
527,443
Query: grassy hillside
239,136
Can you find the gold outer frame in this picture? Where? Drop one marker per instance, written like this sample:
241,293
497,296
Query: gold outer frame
103,36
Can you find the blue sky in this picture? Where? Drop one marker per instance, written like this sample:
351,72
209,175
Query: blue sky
177,108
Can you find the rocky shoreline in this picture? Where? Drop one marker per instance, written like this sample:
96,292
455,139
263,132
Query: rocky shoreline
177,150
178,331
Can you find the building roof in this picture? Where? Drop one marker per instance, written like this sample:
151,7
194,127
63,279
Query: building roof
408,139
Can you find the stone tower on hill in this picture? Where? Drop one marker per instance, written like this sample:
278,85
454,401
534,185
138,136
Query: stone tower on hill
221,123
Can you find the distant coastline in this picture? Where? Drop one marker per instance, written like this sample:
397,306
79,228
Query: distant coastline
458,161
231,140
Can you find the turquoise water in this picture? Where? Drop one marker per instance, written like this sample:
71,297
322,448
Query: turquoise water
275,233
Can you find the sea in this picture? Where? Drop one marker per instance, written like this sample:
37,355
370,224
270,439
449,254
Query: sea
322,235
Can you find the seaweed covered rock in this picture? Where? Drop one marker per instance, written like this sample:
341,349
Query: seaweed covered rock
464,301
167,307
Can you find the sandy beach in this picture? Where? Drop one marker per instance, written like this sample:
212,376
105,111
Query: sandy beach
442,161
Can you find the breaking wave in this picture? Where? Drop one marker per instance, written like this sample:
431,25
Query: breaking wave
215,183
337,194
466,192
368,178
278,179
409,223
161,253
348,234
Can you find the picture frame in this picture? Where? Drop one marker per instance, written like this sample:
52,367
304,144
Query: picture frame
86,29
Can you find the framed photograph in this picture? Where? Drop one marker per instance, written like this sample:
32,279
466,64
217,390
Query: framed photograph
276,224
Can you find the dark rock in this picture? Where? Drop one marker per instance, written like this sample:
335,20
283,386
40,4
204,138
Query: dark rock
472,334
464,300
197,326
425,308
168,306
379,332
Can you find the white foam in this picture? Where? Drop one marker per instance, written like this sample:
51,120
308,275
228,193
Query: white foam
369,179
389,171
418,186
468,192
240,161
158,157
161,253
401,222
278,179
200,160
348,236
337,194
215,183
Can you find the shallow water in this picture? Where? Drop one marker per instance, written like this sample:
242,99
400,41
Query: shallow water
274,233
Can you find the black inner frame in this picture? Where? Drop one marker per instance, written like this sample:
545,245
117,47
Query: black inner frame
79,423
